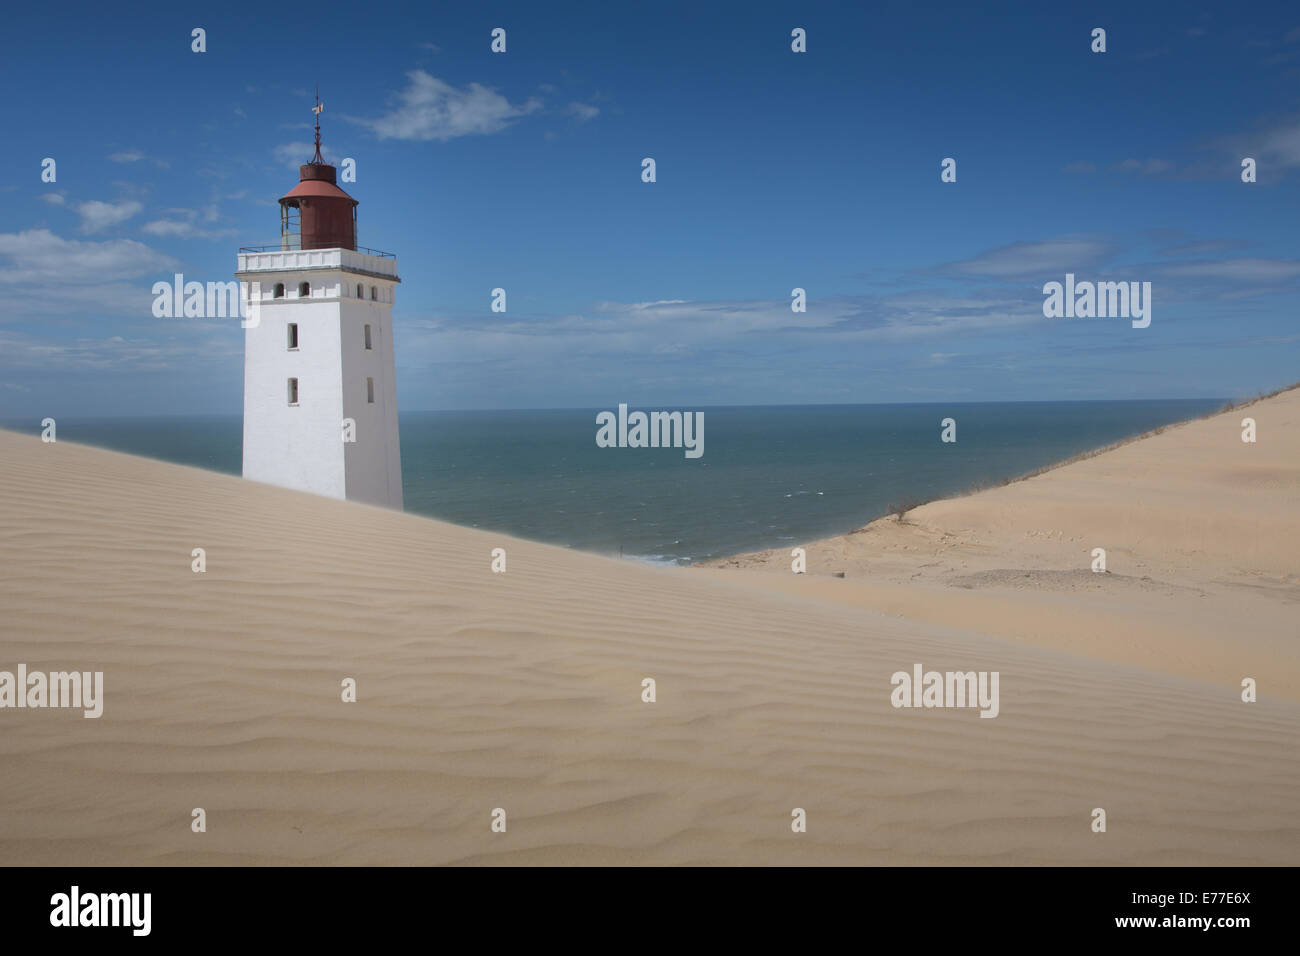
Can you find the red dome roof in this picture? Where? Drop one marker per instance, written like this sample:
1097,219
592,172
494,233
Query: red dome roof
317,189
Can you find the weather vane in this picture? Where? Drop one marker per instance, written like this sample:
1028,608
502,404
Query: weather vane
318,159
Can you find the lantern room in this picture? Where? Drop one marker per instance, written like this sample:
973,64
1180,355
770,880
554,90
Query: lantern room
317,214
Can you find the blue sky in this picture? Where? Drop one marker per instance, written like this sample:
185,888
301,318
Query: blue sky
775,170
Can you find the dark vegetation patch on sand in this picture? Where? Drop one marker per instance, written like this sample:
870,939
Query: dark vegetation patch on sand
1078,579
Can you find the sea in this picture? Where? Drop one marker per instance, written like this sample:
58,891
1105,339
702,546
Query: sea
770,476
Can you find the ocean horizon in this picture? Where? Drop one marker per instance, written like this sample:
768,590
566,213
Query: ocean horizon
770,476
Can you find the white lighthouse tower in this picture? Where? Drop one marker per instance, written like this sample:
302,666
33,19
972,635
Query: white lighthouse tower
320,396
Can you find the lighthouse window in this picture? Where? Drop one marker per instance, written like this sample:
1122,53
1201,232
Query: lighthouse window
370,391
368,347
279,290
293,335
374,293
293,391
304,289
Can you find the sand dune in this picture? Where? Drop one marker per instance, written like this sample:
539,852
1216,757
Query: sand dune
523,690
1202,539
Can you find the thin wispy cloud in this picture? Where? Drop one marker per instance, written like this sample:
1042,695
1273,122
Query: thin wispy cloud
583,112
129,156
192,223
1147,167
294,155
431,109
184,229
1239,270
180,348
607,328
1280,145
1030,259
1202,247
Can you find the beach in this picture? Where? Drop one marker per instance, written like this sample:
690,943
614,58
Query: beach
522,691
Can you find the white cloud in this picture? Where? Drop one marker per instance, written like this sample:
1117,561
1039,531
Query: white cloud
97,216
583,112
38,255
684,327
1238,270
1149,167
183,229
1024,259
1281,146
1276,148
430,109
167,227
294,155
184,345
185,224
134,156
677,344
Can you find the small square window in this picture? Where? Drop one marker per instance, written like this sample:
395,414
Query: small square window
370,391
293,391
293,336
369,347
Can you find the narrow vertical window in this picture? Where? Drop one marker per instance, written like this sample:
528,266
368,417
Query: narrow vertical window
370,391
374,293
293,391
360,293
293,336
304,290
368,345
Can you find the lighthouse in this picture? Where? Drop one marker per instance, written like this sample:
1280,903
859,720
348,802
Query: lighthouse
320,396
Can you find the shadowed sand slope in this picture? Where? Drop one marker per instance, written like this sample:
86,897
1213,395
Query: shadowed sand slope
523,691
1202,538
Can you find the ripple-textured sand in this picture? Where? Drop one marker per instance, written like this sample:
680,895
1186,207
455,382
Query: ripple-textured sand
523,691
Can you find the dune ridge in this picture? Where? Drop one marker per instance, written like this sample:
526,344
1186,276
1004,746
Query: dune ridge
523,691
1202,539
